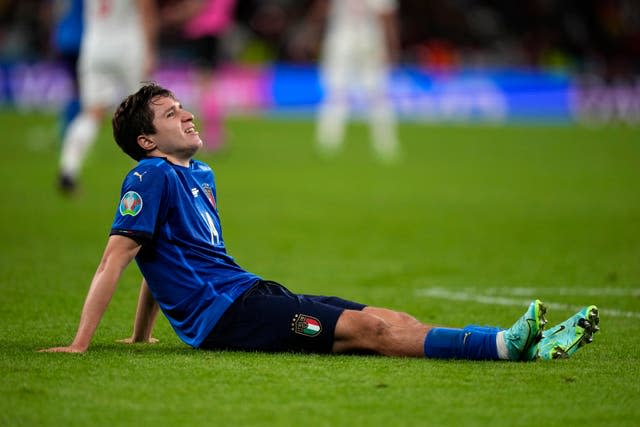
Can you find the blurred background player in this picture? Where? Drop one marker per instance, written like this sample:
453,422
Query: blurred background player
67,36
201,24
116,54
361,42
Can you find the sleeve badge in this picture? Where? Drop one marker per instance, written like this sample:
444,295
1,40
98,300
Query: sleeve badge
131,204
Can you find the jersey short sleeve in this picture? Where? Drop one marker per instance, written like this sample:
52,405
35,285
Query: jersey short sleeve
141,205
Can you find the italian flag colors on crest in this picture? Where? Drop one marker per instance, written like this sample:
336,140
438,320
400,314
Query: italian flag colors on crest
306,325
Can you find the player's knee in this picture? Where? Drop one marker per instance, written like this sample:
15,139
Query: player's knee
358,330
406,319
374,327
398,318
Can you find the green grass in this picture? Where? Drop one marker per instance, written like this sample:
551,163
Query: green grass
514,212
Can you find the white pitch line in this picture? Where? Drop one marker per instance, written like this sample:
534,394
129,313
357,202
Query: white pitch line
579,291
512,302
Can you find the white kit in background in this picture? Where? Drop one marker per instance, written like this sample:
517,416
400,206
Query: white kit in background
356,54
115,57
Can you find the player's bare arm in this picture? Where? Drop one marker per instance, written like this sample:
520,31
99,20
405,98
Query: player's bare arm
145,319
118,253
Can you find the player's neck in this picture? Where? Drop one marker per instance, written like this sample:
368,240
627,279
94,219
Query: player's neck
184,162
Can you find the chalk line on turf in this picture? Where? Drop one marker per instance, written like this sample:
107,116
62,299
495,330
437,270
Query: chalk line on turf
487,296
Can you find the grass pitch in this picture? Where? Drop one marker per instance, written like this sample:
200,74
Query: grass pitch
474,223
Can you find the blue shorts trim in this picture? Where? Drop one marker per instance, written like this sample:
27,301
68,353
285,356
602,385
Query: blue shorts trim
268,317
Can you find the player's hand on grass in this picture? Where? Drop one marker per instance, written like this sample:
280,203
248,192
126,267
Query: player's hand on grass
67,349
132,340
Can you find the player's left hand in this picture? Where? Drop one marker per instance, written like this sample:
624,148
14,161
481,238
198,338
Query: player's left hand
67,349
132,340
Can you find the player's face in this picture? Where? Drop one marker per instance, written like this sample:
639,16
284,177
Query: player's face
176,135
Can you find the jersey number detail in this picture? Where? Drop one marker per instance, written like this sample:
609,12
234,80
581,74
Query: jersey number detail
215,237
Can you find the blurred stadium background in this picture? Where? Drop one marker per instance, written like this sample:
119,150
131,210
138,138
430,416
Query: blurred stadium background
462,60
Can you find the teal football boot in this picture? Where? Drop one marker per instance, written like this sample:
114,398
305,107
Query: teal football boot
526,332
564,339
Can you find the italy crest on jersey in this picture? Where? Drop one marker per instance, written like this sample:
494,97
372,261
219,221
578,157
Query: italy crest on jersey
207,190
131,204
306,325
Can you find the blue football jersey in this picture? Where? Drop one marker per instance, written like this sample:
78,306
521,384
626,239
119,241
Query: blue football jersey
67,35
171,210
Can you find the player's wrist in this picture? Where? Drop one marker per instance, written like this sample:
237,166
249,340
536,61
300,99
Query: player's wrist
79,347
140,338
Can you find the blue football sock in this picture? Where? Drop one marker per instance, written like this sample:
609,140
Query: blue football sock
446,343
478,328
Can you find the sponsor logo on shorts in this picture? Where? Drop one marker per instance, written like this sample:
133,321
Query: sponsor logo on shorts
131,204
306,325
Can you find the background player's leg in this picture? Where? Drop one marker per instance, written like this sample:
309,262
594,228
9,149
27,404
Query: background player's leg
79,137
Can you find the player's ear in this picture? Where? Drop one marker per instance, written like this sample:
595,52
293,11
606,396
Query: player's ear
146,143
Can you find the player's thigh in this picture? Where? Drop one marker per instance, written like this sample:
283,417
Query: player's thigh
132,73
270,318
100,81
336,70
373,78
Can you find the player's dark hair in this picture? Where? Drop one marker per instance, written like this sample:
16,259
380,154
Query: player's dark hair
134,117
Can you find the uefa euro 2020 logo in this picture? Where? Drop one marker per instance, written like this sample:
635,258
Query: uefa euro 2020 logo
131,204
